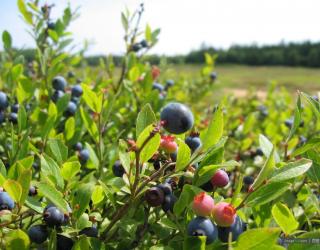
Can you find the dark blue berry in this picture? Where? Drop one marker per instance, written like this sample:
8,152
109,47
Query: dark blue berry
144,44
33,191
78,146
154,196
2,117
207,186
201,226
193,142
259,152
4,103
71,109
166,188
84,155
51,25
177,118
38,234
213,76
75,100
168,203
53,216
235,229
64,243
90,232
118,169
76,90
248,180
157,86
13,118
57,95
169,83
136,47
59,83
15,108
6,202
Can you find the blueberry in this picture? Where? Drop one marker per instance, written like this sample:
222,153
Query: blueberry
235,229
4,103
154,196
201,226
169,83
51,25
144,44
38,234
259,152
173,156
166,188
84,155
118,169
177,118
193,142
302,139
157,86
168,203
13,118
76,90
35,165
75,100
6,202
33,191
90,232
248,180
207,186
53,216
57,95
136,47
156,165
59,83
71,109
15,108
71,74
213,76
288,122
78,146
64,243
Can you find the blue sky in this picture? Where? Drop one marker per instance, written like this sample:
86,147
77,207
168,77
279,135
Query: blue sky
184,24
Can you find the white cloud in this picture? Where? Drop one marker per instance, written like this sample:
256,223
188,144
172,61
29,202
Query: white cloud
185,24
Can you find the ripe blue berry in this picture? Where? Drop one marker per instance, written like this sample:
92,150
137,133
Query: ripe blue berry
3,101
177,118
6,202
51,25
59,83
193,142
78,146
154,196
259,152
84,155
213,76
118,169
168,203
53,216
207,186
144,44
13,118
76,90
169,83
235,229
64,243
166,188
157,86
38,234
201,226
248,180
71,109
33,191
2,117
15,108
57,95
90,232
75,100
136,47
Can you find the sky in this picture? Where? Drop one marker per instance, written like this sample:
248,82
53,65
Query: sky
185,24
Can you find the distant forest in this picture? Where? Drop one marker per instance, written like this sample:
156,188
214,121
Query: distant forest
304,54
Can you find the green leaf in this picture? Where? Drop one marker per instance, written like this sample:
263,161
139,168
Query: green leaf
69,128
57,150
185,198
184,154
124,156
313,104
311,144
208,59
14,189
284,218
97,194
296,119
291,170
148,33
22,118
53,195
82,196
194,243
93,162
25,13
134,73
266,170
145,117
52,116
150,147
267,147
7,40
92,99
24,180
267,193
262,239
89,124
51,170
311,237
54,36
70,169
124,21
215,130
17,240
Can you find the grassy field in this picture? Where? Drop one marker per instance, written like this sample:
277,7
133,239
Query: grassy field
244,77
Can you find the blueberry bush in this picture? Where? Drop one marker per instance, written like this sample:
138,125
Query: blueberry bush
127,158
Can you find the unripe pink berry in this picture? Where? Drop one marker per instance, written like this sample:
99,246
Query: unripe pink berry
224,214
168,144
203,204
220,179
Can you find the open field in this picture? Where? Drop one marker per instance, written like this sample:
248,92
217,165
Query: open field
244,77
